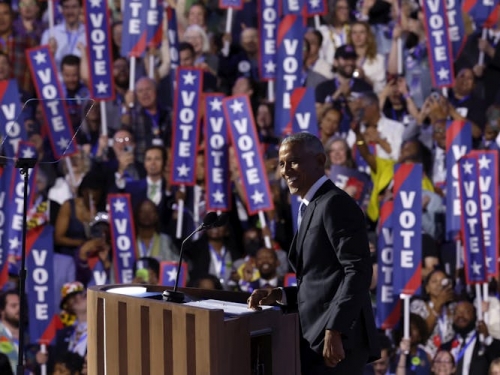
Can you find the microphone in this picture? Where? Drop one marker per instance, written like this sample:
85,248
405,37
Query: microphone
211,220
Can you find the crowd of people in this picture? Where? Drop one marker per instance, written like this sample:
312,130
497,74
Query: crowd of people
370,117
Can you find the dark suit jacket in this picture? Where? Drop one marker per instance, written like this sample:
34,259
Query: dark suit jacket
479,363
331,258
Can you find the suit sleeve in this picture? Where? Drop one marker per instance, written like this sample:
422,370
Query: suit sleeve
345,224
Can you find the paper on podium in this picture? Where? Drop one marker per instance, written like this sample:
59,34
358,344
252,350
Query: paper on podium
231,308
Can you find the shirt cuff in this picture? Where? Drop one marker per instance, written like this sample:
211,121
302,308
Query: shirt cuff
488,340
283,300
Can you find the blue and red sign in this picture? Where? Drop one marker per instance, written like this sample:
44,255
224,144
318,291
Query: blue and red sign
458,143
15,203
388,303
235,4
134,29
40,283
472,227
49,90
357,184
186,132
122,237
153,21
292,7
239,116
488,196
268,30
438,43
5,173
11,119
98,31
290,279
99,275
484,13
173,39
289,68
218,181
407,228
456,27
316,8
168,273
303,111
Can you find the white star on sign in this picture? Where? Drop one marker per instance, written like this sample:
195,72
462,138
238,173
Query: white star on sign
119,206
95,3
28,153
40,57
218,196
314,3
172,274
484,162
101,87
467,167
216,105
443,74
14,243
476,268
237,107
183,170
189,78
257,197
62,143
270,67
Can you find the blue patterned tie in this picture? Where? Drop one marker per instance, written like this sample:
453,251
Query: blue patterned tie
302,209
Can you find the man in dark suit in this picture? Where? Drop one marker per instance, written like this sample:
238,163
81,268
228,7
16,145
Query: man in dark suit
331,258
472,356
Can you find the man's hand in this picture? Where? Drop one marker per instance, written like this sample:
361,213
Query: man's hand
333,350
124,160
261,297
483,328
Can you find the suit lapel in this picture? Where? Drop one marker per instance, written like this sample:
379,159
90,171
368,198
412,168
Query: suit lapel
298,239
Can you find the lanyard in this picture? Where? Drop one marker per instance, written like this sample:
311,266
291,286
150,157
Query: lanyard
461,353
219,261
72,38
146,251
155,122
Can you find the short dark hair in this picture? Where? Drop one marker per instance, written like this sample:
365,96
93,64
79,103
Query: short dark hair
70,60
161,149
317,34
61,2
148,263
3,297
185,46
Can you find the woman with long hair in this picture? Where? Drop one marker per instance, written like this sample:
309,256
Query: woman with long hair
370,65
443,363
436,308
336,30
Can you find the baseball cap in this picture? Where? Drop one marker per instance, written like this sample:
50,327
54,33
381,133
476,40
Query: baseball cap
346,51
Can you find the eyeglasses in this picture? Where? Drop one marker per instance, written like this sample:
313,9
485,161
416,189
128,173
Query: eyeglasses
123,139
444,362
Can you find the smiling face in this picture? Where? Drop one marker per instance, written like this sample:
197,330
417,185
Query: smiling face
300,167
443,363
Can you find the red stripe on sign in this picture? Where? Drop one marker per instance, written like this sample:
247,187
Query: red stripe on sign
452,132
285,25
400,176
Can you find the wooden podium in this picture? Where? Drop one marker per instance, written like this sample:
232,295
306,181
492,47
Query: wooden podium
146,336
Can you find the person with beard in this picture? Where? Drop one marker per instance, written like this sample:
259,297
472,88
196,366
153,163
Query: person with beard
9,325
73,338
266,262
338,90
415,60
473,348
76,93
